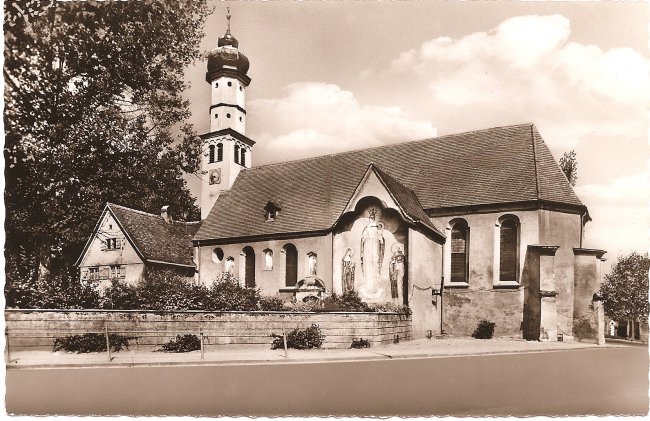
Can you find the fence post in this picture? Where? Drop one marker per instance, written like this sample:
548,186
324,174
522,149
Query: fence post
108,343
202,344
7,342
284,340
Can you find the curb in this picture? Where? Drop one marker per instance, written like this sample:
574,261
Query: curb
376,357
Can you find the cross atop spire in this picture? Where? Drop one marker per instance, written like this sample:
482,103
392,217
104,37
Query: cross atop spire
228,19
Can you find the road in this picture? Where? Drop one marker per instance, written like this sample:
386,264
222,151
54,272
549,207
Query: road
575,382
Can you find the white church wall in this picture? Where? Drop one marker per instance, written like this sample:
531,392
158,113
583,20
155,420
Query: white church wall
269,281
424,274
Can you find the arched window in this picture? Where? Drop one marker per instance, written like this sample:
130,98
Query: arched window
211,154
268,259
508,250
459,252
312,260
243,157
236,154
291,264
249,267
220,152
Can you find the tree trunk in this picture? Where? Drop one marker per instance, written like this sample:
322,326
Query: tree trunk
44,259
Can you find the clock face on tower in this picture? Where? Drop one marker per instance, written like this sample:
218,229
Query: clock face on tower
215,176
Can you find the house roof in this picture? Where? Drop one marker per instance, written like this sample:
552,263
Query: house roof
500,165
153,238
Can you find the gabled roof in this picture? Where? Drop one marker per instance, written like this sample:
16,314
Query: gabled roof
501,165
407,201
154,240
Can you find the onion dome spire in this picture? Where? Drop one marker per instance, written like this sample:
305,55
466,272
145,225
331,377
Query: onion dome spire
227,54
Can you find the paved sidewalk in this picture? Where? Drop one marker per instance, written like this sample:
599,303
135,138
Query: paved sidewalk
235,354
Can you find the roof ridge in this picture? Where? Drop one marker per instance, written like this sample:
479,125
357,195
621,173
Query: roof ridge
109,204
535,162
429,139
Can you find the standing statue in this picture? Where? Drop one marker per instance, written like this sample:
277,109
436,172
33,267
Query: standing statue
372,256
347,271
396,269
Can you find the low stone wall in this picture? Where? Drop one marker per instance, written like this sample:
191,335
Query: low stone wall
38,328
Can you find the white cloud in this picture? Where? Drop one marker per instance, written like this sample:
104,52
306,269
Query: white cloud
527,70
619,210
316,118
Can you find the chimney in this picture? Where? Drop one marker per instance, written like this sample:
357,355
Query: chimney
164,213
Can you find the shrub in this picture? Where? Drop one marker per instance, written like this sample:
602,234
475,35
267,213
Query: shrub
390,308
120,296
302,306
91,342
274,303
349,301
62,291
166,289
309,338
358,343
182,343
484,330
227,294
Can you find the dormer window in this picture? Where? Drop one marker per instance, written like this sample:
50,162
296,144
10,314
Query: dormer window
272,209
243,157
236,154
211,154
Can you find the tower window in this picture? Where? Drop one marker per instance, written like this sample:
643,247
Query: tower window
211,154
241,119
220,152
216,85
236,154
243,157
229,83
216,116
241,89
228,115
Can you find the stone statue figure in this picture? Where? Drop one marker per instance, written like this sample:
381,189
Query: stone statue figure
347,272
396,269
372,256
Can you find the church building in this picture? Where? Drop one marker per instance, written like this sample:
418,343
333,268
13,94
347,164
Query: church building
460,228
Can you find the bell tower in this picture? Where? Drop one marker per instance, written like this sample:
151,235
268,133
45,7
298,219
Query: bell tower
226,149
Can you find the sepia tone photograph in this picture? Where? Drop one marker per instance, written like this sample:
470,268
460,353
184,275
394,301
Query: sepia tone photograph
336,208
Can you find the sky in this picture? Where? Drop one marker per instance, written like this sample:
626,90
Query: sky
336,76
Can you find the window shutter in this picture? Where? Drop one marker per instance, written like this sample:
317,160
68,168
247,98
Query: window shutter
508,252
459,255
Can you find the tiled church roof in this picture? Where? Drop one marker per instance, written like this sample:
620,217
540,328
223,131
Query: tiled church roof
493,166
407,200
154,239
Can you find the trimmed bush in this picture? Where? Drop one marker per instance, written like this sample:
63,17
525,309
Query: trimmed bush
120,296
309,338
348,301
91,342
274,303
165,289
484,330
227,294
358,343
182,343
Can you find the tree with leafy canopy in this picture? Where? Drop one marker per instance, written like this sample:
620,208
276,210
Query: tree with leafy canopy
94,113
625,290
569,165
